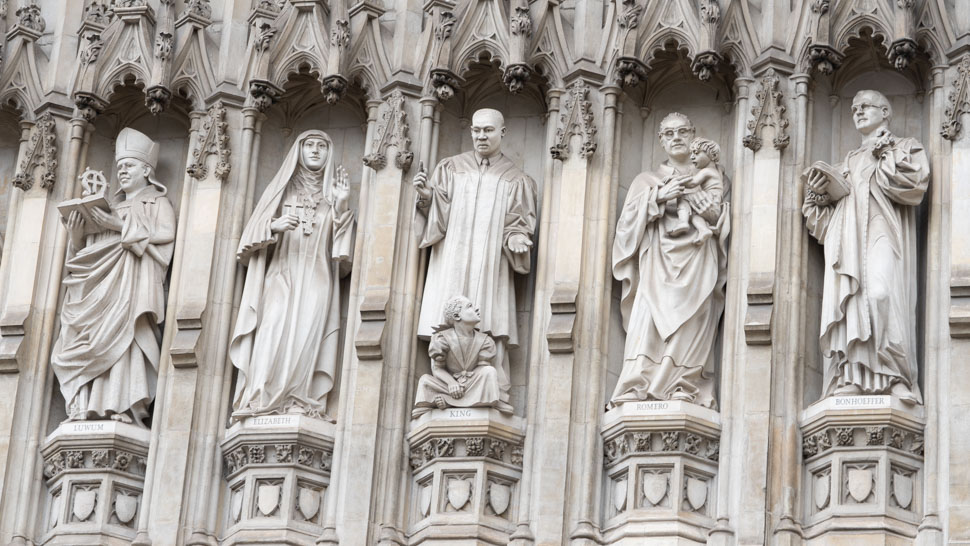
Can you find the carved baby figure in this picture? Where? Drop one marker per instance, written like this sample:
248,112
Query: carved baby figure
463,372
704,155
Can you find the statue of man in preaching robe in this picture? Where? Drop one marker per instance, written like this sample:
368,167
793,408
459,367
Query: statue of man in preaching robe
107,352
672,279
863,212
481,215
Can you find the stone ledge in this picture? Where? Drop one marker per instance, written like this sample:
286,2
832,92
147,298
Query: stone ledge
655,416
466,422
860,411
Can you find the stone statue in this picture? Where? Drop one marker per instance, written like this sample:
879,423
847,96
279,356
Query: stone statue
106,355
862,211
463,373
673,278
296,246
481,214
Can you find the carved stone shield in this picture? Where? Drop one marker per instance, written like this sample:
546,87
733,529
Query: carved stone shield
903,490
267,498
84,502
308,502
459,491
696,493
860,483
822,486
499,496
125,506
619,494
235,505
654,487
425,500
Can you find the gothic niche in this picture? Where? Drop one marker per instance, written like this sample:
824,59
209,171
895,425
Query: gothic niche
864,416
298,247
121,230
467,433
673,206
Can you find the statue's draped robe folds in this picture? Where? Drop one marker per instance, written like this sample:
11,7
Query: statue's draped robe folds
285,341
107,352
470,361
868,329
475,208
673,295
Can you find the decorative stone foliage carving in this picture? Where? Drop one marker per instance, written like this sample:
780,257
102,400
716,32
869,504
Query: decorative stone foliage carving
91,459
768,111
392,129
266,455
164,43
41,152
958,101
213,139
197,8
872,436
91,50
98,13
576,119
669,441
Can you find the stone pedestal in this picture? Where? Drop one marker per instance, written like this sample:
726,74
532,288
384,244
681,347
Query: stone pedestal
278,472
661,469
862,470
95,473
466,466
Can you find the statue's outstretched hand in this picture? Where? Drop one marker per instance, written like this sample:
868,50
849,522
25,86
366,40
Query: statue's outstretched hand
519,243
341,190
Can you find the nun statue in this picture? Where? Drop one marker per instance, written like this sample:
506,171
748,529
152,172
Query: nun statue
297,244
107,351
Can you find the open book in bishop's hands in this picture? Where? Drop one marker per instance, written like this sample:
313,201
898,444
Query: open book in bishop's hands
837,187
93,189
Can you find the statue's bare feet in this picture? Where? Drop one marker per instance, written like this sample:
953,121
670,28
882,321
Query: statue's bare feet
702,235
121,417
439,402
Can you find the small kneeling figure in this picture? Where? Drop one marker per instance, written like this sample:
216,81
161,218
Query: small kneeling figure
463,373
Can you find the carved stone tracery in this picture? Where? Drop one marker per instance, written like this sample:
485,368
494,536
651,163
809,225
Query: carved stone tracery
213,139
958,101
768,111
576,119
392,130
41,152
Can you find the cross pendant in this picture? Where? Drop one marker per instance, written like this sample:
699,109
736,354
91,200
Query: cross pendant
304,214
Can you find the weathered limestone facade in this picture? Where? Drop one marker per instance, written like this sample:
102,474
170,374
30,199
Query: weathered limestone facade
225,86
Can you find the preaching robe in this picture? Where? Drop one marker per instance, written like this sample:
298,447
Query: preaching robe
672,295
285,341
462,358
474,210
868,331
107,352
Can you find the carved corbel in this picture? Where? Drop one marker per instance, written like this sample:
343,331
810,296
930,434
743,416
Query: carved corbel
392,130
824,58
158,95
904,48
200,9
705,63
214,139
335,85
444,82
518,72
576,119
29,17
959,101
41,152
629,70
264,94
88,105
768,111
373,318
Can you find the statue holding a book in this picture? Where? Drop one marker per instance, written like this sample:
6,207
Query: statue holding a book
107,351
863,212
